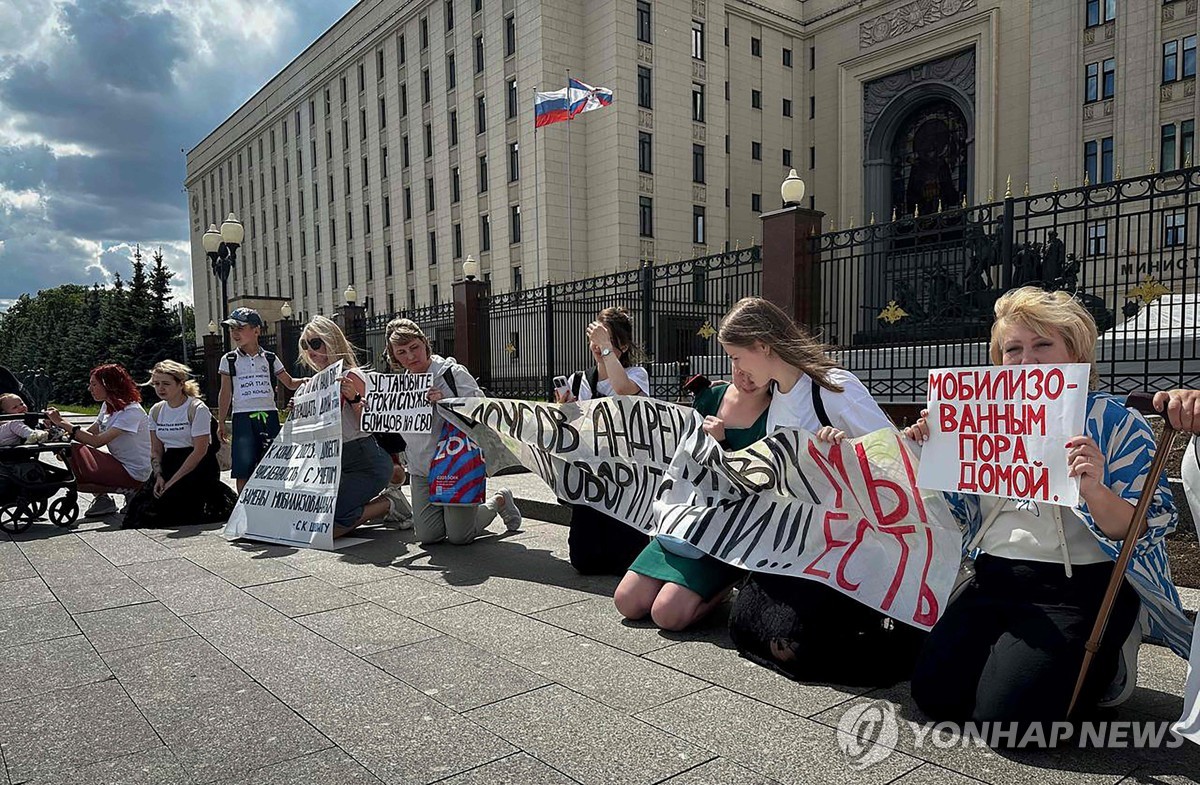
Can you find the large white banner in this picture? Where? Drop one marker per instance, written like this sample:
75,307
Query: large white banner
290,498
850,515
397,403
1003,431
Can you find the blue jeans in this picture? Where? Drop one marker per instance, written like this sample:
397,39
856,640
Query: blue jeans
366,470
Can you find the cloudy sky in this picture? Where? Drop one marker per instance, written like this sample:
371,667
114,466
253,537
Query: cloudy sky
97,97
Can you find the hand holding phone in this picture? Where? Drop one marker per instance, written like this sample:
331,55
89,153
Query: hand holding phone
562,390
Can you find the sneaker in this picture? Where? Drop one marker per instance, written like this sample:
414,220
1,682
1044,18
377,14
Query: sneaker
1124,683
399,510
509,512
101,506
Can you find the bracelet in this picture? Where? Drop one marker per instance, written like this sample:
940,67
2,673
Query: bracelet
356,399
74,430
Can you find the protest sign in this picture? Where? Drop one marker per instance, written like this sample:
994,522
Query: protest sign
396,403
1003,430
848,515
290,498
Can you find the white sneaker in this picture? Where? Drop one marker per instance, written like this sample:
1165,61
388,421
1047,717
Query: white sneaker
508,512
399,510
102,505
1125,682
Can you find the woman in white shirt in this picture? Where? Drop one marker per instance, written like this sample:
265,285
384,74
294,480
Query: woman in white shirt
799,627
122,427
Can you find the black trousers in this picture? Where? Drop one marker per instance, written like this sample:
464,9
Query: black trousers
600,544
811,632
1010,647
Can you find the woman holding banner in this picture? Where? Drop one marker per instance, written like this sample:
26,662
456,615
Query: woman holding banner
600,544
799,627
366,468
1009,646
409,348
672,581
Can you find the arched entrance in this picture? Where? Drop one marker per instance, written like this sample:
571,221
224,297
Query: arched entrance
929,167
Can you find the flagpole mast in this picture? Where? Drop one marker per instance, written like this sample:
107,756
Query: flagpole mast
570,206
537,208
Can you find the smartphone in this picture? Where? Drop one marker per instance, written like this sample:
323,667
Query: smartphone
561,386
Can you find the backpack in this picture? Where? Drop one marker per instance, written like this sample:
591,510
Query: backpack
231,363
214,443
393,443
593,379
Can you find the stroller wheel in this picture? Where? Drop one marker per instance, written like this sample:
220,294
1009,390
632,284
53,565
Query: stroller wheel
64,511
37,509
15,519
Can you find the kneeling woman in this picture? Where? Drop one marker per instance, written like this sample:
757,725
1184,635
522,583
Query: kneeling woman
1009,648
186,485
671,581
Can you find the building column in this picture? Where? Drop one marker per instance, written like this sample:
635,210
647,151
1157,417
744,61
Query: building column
470,340
789,272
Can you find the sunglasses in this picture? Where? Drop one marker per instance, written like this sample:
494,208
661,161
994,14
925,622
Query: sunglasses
312,344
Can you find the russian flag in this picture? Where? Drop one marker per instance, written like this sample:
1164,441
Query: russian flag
551,108
585,98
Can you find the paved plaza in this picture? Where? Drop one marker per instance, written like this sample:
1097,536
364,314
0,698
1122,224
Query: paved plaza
173,656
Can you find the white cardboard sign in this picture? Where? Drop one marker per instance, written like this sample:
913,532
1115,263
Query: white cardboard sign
396,403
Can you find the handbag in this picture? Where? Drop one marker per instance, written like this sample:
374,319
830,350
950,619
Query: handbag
457,474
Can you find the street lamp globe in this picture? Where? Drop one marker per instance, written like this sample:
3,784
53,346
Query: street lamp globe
792,189
470,268
286,310
211,239
232,231
351,295
212,327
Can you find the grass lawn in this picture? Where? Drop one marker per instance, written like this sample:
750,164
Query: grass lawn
77,408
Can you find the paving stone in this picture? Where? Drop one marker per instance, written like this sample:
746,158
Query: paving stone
592,742
13,564
45,735
519,769
768,740
519,594
126,546
367,628
32,623
184,587
456,674
719,772
318,768
342,570
598,619
611,676
112,593
492,628
239,566
40,667
1160,674
131,625
302,596
24,591
409,596
928,774
181,669
157,766
723,666
404,737
65,559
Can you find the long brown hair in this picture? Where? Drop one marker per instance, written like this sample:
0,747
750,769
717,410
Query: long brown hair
754,320
620,329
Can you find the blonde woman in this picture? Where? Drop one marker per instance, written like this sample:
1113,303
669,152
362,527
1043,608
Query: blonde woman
366,468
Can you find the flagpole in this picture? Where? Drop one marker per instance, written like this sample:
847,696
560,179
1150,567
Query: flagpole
570,206
537,208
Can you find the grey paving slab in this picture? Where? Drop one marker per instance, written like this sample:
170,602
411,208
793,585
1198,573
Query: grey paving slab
456,674
492,628
131,625
592,742
598,619
613,677
327,767
238,566
184,587
722,666
20,592
1160,674
342,570
13,564
114,592
184,669
40,667
719,771
64,558
45,735
409,596
126,546
768,740
519,769
928,774
519,594
302,596
156,766
402,736
32,623
367,628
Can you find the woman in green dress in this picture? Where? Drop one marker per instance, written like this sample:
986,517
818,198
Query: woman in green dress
672,582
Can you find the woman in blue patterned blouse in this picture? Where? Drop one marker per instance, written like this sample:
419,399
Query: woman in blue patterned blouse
1009,648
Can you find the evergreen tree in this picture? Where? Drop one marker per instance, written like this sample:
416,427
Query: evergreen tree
164,319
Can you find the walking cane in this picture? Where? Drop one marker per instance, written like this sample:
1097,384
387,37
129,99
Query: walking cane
1144,403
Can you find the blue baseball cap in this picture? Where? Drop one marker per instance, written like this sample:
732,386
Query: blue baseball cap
242,317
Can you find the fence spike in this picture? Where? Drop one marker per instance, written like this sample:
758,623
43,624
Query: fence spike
893,215
872,218
964,202
917,210
939,209
1008,187
1054,185
851,222
1026,192
1187,160
991,197
1086,180
832,225
1152,171
1118,171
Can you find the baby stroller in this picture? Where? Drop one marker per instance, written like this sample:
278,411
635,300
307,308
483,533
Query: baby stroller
27,484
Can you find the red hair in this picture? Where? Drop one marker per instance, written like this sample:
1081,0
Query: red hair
118,384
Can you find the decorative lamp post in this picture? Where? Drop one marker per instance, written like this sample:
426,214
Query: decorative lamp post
212,327
792,190
351,295
470,268
222,245
286,310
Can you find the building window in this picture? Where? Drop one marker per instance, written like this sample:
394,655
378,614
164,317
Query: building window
645,153
455,186
479,54
428,140
429,194
1106,159
480,114
697,163
812,157
756,99
643,87
1101,11
756,202
1175,229
1091,90
756,151
387,211
511,103
514,223
1166,154
756,47
404,99
787,58
405,160
1097,240
453,126
1090,156
697,102
485,232
425,86
697,40
787,157
645,216
1189,56
362,84
1170,61
400,54
451,72
424,33
449,15
483,174
517,282
1187,139
458,244
409,254
643,21
698,232
510,35
476,6
433,248
408,210
787,107
1109,80
514,162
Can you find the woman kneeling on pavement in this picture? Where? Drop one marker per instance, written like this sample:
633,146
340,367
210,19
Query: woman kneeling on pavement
122,427
409,348
1010,646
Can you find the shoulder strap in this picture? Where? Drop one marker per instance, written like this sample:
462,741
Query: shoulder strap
448,375
594,380
231,361
155,409
193,405
818,404
576,384
271,368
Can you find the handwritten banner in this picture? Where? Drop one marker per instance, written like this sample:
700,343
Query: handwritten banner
396,403
290,498
850,515
1003,431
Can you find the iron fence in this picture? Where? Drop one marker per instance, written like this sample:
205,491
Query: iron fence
436,320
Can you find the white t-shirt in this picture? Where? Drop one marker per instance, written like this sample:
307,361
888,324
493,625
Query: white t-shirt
252,391
636,373
173,428
351,416
853,410
1024,529
132,447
